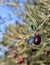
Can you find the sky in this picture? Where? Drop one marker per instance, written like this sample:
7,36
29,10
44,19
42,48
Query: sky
7,16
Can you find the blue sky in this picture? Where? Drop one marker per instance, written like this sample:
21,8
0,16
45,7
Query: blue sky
7,16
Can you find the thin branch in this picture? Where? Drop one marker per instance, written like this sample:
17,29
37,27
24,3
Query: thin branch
35,31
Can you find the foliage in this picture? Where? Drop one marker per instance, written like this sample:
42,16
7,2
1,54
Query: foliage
36,20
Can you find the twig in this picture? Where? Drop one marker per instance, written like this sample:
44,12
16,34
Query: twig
35,31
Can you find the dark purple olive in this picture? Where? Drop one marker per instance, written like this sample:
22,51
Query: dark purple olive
37,39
